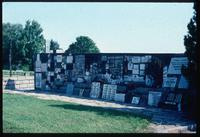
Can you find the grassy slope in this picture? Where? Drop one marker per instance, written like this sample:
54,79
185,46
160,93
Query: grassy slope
31,115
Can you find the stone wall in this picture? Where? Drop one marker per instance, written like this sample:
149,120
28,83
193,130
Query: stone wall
18,82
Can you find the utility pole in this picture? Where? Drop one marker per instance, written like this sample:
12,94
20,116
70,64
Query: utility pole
10,60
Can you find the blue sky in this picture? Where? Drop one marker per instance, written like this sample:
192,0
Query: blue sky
114,27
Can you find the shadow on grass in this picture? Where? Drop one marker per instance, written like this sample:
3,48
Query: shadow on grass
124,112
103,111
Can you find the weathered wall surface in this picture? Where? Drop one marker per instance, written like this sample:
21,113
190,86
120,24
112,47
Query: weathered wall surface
110,76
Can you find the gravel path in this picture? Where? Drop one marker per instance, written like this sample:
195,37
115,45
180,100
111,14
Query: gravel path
163,121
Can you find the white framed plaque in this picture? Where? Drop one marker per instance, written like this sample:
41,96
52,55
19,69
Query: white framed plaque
142,66
69,59
169,82
43,67
135,71
176,64
38,69
59,58
136,59
135,100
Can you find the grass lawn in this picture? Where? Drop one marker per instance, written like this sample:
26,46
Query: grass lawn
26,114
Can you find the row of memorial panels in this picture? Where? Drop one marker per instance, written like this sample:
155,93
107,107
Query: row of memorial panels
179,82
137,74
47,60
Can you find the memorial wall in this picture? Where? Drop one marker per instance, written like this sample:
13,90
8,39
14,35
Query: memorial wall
131,78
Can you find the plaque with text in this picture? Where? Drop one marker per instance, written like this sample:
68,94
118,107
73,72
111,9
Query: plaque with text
169,82
176,64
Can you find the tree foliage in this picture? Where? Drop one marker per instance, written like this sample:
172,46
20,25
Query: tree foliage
192,50
155,70
54,45
192,71
12,34
83,44
24,41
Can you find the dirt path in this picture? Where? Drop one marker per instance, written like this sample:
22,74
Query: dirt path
163,121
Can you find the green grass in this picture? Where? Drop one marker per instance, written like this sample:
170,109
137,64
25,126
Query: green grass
25,114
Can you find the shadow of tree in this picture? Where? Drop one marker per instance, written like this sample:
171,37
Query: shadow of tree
165,117
103,111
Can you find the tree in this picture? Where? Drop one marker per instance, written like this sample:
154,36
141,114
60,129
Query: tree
12,34
33,41
192,52
83,44
26,42
54,45
154,70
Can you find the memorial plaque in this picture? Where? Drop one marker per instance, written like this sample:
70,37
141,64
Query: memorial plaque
135,69
105,87
48,77
64,66
51,73
183,83
58,77
142,72
176,64
70,88
55,58
38,69
169,82
138,78
143,59
59,58
43,67
69,59
136,59
95,90
104,58
37,64
130,66
135,100
57,70
38,77
154,98
113,89
165,72
109,91
142,66
148,58
149,80
120,97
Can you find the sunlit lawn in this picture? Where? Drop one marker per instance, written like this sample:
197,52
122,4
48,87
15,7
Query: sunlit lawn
32,115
